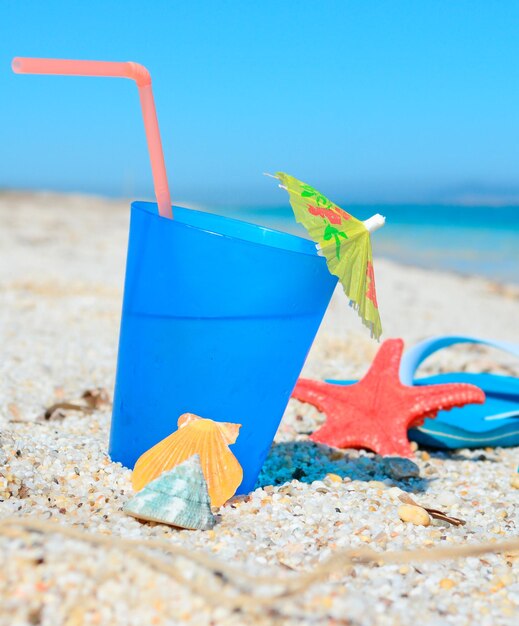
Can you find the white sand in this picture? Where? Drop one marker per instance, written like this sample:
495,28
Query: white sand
61,275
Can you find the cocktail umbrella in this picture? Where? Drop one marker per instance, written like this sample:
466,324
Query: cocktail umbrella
344,241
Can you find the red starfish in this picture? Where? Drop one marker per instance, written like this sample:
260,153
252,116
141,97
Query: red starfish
377,411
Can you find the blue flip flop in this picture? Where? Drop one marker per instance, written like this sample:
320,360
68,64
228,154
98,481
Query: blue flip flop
494,423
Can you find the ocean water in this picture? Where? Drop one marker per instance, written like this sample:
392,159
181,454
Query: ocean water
478,240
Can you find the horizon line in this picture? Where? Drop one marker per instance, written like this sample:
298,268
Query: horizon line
463,200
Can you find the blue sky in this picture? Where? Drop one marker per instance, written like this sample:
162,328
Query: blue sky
371,101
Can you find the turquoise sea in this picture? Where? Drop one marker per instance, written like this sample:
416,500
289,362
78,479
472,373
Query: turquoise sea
471,240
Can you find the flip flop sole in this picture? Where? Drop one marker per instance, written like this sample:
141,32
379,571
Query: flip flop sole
494,423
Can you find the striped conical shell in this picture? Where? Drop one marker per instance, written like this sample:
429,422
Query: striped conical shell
178,498
195,435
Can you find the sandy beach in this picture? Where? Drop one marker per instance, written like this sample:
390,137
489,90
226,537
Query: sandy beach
61,280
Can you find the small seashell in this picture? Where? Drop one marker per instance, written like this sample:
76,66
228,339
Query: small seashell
178,498
195,435
514,481
414,515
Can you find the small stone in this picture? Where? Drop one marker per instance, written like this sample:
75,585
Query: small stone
394,493
447,498
377,484
400,468
14,410
414,515
514,481
335,478
447,583
96,398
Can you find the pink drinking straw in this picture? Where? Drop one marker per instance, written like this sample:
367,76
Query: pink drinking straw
135,71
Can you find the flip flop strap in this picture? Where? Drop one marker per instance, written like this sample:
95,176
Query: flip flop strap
416,355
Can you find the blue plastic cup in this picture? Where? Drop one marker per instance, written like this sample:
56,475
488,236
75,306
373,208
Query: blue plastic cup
218,318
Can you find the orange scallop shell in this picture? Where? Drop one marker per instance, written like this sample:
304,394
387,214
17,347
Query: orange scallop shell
195,435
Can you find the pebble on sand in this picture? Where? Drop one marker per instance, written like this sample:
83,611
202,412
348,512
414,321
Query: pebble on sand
414,515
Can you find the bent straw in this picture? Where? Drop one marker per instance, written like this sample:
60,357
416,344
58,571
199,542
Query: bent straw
138,73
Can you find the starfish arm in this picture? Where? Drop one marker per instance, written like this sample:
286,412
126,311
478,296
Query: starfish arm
315,392
430,399
386,363
396,444
328,435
